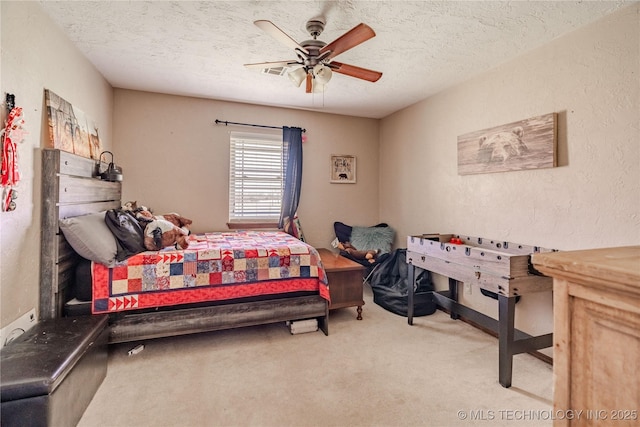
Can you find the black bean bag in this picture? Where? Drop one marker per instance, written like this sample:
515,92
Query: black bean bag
390,286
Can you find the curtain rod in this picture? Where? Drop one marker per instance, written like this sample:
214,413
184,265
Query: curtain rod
226,123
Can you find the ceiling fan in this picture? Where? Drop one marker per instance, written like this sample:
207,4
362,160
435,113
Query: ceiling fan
315,57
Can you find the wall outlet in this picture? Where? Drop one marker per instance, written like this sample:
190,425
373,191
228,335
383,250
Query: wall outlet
467,288
18,327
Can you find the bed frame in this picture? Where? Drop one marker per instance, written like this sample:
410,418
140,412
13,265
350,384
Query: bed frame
70,187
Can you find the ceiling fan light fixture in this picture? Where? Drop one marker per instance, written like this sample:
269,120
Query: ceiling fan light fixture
322,73
315,61
297,76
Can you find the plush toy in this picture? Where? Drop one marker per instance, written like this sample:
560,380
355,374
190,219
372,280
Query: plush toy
160,233
177,220
368,255
130,206
144,215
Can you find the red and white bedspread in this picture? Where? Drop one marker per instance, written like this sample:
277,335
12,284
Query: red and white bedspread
215,266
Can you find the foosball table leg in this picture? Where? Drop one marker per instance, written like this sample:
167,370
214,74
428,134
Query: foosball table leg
506,316
411,274
453,295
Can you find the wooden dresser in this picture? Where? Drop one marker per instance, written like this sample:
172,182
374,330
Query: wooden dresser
596,335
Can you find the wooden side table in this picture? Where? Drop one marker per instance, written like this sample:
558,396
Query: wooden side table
345,281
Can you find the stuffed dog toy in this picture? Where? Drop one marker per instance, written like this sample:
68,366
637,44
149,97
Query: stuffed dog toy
177,220
368,255
160,233
144,215
130,206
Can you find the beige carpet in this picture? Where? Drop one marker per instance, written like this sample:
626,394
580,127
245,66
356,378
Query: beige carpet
375,372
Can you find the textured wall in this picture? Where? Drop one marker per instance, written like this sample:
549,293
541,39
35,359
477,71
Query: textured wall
591,79
176,158
35,56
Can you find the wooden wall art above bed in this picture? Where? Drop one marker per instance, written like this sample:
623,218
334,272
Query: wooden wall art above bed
70,129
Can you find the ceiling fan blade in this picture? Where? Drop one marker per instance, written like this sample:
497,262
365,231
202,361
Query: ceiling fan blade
358,34
272,64
353,71
309,83
275,32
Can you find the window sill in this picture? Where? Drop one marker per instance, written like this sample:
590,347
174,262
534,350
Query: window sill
252,225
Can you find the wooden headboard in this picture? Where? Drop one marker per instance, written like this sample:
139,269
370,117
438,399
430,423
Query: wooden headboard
70,187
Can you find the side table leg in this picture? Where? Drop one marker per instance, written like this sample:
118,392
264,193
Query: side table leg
359,309
506,316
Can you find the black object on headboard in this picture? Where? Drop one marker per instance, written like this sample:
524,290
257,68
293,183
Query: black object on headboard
70,187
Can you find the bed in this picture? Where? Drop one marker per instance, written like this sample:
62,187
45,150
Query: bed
291,272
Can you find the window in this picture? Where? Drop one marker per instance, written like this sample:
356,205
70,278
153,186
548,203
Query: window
256,178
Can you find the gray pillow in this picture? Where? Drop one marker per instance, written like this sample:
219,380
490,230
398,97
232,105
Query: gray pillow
372,238
90,237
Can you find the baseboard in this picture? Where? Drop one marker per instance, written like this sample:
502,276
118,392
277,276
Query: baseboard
535,353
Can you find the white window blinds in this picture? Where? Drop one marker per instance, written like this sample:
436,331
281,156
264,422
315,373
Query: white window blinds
256,178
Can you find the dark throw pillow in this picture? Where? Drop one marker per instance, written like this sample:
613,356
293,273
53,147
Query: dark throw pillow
128,232
343,231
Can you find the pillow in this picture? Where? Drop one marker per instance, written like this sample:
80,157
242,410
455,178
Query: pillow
90,237
372,238
343,232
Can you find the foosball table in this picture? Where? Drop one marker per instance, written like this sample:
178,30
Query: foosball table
502,269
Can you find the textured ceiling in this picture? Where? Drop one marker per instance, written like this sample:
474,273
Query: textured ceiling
198,48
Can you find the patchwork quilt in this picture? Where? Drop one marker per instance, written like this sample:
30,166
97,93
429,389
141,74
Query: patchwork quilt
215,267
